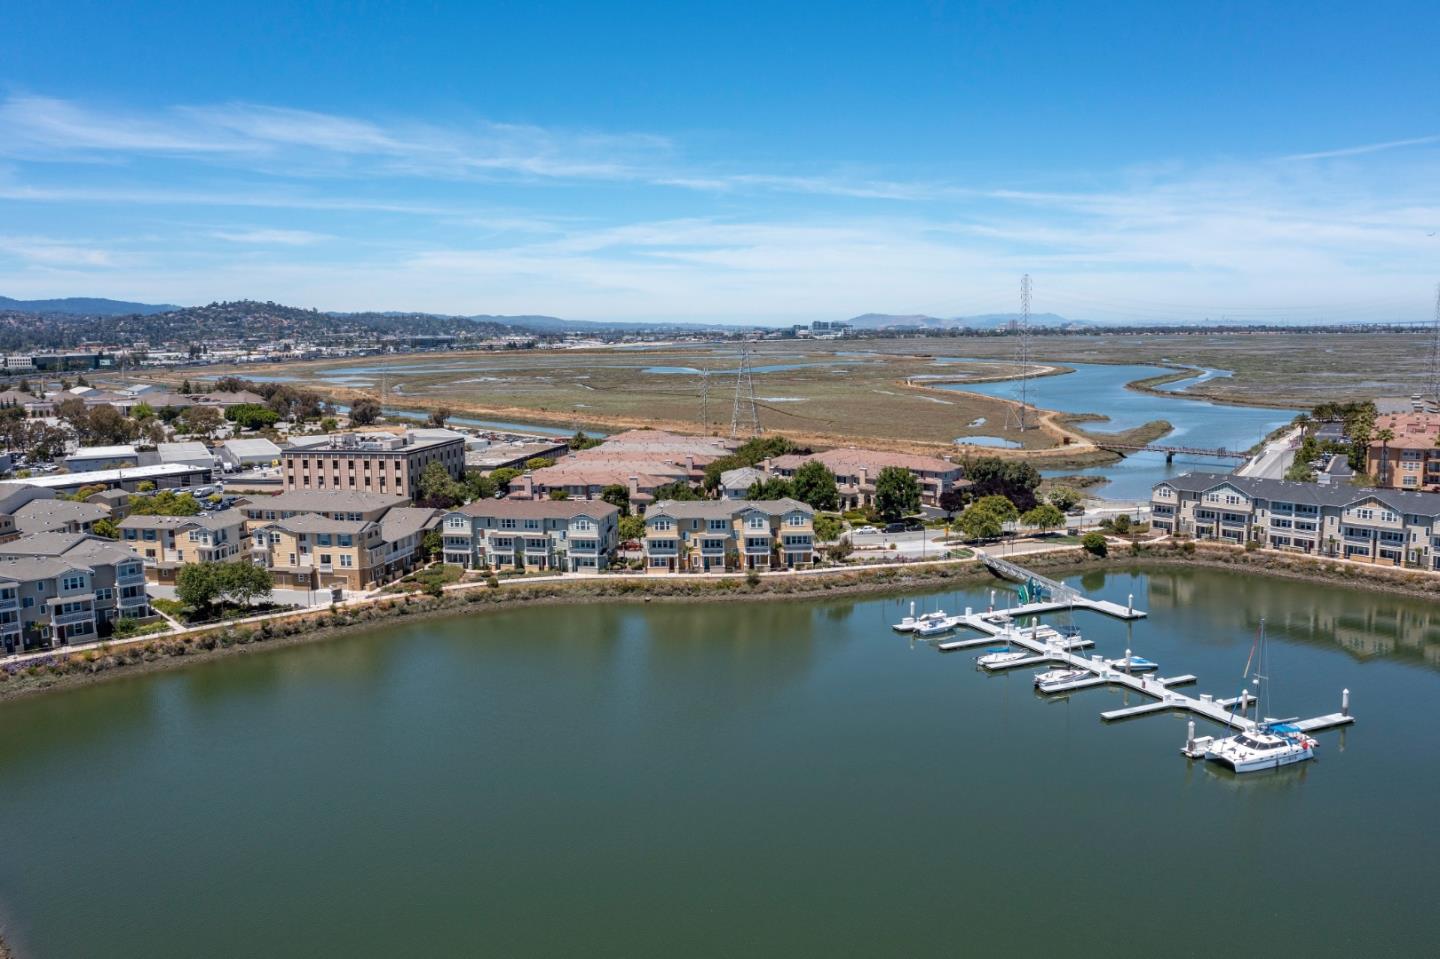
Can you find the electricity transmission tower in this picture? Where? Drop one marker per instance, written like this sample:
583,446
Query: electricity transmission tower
1434,385
744,414
705,400
1018,417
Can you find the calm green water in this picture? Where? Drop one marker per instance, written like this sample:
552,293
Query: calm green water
770,779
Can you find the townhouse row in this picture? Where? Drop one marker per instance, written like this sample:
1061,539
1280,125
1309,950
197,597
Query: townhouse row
62,588
536,535
705,536
1383,526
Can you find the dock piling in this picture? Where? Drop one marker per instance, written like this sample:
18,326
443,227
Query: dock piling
1345,702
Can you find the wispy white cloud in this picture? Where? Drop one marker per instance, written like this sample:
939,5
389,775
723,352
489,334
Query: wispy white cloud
49,252
265,237
1365,148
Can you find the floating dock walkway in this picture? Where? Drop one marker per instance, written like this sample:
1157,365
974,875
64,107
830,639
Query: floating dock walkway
1049,646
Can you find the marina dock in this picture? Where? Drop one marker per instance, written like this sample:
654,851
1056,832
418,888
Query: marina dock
1050,647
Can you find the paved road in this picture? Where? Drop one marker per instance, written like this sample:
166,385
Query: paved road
1272,461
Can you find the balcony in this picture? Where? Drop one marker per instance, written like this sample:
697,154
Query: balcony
72,619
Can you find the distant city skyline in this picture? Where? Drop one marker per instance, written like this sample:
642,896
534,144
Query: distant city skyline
750,164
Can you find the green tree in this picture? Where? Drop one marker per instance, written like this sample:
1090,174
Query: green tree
252,416
632,528
982,521
1014,479
679,490
504,476
1064,498
814,485
582,442
479,486
364,411
164,503
439,416
1384,437
106,527
202,420
1094,543
897,493
141,412
431,543
329,424
952,501
828,527
1046,516
539,463
438,489
772,487
618,496
559,494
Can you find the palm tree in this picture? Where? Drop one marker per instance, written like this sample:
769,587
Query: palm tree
1384,436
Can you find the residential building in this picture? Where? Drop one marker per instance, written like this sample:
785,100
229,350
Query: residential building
1383,526
1410,459
311,550
567,535
370,462
67,588
736,483
856,471
715,535
339,505
58,516
167,543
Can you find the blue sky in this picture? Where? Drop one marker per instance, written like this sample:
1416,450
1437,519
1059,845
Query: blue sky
732,162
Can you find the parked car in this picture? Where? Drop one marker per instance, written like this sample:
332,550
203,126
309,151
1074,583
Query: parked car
1075,511
895,527
865,531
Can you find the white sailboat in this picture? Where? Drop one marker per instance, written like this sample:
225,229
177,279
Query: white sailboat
1270,744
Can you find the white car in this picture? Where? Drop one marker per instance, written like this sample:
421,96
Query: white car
866,531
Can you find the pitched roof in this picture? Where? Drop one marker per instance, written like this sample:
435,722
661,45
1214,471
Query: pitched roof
43,544
37,567
315,523
539,508
1312,494
849,459
403,521
326,501
45,515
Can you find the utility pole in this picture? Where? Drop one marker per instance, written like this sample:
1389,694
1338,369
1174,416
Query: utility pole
705,400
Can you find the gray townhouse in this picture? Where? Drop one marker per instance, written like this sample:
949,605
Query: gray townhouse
1382,526
566,535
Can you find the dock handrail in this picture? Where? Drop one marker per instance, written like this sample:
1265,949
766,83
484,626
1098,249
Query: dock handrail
1058,591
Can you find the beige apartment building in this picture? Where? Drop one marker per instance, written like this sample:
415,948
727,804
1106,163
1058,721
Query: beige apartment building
1410,460
705,536
166,543
1382,526
312,550
333,504
371,462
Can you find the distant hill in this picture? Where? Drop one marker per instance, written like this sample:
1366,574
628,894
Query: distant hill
85,306
238,320
984,321
555,325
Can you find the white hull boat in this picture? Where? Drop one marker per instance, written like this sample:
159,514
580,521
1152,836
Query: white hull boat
1264,748
912,623
997,660
1058,677
1133,664
935,627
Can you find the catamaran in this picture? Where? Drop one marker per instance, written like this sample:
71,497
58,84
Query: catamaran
1270,744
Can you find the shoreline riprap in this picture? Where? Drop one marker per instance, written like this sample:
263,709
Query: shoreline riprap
69,670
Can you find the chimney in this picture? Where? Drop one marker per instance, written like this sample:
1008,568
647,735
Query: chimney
634,486
527,486
689,462
864,474
765,466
